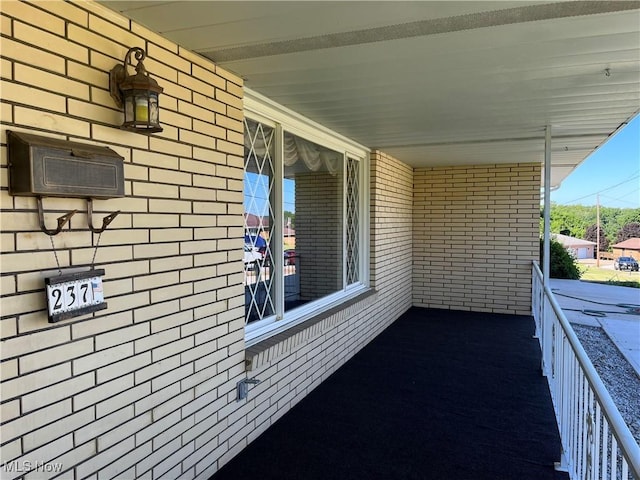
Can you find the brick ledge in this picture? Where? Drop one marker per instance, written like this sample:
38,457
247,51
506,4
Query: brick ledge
282,343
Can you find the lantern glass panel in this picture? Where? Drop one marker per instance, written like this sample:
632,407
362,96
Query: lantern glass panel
142,108
154,117
128,109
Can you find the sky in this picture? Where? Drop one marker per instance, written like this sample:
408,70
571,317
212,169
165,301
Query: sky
613,171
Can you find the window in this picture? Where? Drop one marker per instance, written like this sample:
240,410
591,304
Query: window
258,219
303,223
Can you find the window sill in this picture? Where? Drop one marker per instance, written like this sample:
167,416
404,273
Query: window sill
278,345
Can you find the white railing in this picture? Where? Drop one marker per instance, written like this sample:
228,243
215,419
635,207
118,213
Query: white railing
596,442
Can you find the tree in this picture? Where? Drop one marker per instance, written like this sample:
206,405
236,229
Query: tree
561,263
573,220
630,230
591,234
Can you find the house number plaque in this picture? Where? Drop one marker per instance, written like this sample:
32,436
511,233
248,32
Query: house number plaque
74,294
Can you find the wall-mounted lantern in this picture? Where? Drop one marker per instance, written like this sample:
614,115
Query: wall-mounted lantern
136,94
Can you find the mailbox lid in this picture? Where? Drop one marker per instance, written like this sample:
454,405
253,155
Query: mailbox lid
44,166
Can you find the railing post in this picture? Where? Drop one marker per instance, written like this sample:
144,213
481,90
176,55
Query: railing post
596,442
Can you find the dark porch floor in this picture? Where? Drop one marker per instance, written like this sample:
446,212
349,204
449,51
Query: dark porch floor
438,395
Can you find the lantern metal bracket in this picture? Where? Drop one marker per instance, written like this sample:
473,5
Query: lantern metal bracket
118,73
105,221
62,221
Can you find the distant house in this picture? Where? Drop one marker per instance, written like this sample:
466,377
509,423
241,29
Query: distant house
576,246
254,225
628,248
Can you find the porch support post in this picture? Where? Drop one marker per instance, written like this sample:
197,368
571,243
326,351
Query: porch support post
547,206
547,337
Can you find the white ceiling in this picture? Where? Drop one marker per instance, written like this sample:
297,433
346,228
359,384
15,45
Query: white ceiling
431,83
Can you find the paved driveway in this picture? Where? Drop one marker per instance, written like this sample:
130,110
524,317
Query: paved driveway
620,323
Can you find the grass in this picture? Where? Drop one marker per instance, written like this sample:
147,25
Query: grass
590,273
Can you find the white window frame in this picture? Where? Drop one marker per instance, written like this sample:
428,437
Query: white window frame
261,109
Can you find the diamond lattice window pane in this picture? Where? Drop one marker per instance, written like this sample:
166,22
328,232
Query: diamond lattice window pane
258,220
353,223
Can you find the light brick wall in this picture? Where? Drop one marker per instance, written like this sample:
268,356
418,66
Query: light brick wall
146,387
391,224
476,232
319,233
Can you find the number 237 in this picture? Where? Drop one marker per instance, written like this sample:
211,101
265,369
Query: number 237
72,291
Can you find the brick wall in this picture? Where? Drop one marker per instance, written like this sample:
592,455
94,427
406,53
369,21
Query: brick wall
319,233
146,387
391,224
476,232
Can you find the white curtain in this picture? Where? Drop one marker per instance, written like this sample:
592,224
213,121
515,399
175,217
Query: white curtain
315,157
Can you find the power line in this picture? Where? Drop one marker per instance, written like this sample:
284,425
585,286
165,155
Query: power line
634,177
634,191
620,199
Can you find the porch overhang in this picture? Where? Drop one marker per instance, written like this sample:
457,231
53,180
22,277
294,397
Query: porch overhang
431,83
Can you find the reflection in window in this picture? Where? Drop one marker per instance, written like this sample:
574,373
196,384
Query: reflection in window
314,175
302,226
258,220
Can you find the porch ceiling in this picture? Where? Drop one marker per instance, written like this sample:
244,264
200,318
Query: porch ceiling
431,83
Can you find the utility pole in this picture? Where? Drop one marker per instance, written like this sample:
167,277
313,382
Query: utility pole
598,230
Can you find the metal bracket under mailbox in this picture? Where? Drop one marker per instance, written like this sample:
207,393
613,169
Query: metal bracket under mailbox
50,167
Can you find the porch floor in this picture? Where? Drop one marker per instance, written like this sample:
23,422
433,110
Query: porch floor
438,395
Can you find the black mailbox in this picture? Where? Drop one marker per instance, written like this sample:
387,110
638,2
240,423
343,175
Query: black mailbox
49,167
